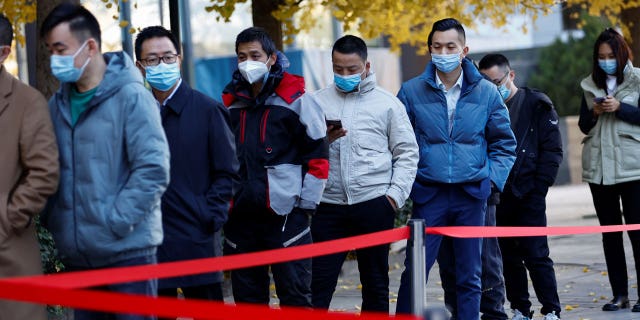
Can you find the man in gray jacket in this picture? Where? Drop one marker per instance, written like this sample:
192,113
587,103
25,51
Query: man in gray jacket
373,158
114,156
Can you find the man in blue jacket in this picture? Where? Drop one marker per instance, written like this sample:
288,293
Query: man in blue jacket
522,203
281,145
466,149
203,165
114,158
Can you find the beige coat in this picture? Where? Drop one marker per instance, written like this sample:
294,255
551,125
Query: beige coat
29,173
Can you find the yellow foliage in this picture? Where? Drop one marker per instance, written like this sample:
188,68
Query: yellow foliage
410,21
18,12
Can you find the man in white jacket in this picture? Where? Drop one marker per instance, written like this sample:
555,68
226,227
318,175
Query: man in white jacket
373,158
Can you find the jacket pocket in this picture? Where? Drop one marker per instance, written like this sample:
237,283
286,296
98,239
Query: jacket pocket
373,161
589,153
5,228
284,184
628,151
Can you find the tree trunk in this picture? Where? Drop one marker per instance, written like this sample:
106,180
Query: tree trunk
261,11
630,19
45,81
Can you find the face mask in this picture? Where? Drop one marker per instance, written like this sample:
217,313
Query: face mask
504,91
446,62
609,66
253,71
163,76
63,67
348,83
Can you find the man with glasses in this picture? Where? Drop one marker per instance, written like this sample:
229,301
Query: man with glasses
114,156
203,165
522,203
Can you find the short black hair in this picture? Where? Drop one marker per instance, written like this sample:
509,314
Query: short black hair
256,34
494,59
154,32
82,23
6,31
621,51
351,44
444,25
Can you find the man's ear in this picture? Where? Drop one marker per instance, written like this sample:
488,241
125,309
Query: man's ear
141,68
94,47
272,59
5,51
465,51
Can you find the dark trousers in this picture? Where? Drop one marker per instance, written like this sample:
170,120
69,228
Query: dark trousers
450,205
493,291
211,291
606,200
340,221
522,254
264,230
147,288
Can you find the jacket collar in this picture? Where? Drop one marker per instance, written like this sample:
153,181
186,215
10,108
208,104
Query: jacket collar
6,87
179,98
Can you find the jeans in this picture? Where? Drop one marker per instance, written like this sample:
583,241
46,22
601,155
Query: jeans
148,288
450,204
340,221
493,291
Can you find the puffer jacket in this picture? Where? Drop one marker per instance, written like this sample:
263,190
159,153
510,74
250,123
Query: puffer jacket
481,144
611,149
280,142
379,154
114,167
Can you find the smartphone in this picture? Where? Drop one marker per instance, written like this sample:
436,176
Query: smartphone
337,124
599,99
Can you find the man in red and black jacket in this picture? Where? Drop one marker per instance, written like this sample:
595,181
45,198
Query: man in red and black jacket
281,144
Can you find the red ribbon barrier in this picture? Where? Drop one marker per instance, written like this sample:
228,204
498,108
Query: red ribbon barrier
486,232
167,307
59,288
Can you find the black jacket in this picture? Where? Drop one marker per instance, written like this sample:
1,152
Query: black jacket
539,150
203,170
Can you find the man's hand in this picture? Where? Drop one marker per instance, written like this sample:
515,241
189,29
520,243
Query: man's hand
393,203
610,104
335,134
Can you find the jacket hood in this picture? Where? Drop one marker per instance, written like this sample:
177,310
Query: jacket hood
120,72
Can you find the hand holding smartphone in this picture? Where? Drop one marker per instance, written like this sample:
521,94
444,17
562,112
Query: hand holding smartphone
599,99
337,124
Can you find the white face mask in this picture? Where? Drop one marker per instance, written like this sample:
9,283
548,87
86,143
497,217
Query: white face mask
253,71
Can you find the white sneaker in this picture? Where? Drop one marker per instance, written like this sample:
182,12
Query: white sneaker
551,316
517,315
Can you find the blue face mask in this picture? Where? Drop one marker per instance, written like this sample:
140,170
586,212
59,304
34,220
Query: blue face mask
348,83
63,67
163,76
446,62
504,91
609,66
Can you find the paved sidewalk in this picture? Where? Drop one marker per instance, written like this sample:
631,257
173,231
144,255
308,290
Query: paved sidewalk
579,261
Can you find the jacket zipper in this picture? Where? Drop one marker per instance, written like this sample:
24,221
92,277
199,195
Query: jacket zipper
243,120
263,126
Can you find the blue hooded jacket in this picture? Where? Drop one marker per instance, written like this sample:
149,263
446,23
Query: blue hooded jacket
481,144
114,167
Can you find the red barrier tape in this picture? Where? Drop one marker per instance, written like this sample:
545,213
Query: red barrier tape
486,232
84,279
166,307
57,289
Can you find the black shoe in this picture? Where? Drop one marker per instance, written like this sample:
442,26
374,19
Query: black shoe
636,307
617,303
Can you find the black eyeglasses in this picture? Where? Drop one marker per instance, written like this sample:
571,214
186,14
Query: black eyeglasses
167,58
497,83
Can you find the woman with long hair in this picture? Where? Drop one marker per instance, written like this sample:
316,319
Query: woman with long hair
610,118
